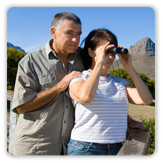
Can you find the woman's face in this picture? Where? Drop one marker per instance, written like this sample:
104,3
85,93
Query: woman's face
99,53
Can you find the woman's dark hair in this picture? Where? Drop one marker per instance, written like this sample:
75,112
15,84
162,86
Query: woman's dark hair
92,40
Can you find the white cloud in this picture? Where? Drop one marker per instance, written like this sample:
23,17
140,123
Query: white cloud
32,48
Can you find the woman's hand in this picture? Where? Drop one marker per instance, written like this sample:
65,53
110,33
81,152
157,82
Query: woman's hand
125,59
99,55
105,55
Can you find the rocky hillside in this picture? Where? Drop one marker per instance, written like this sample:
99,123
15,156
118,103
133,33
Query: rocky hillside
143,57
9,45
144,47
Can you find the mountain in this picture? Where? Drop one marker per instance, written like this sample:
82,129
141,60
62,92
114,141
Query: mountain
143,47
143,57
9,45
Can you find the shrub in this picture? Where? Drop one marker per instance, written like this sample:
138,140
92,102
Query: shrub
123,74
150,125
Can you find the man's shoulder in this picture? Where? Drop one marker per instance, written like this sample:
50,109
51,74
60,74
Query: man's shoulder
37,51
32,55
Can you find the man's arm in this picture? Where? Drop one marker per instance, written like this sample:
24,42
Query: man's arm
46,96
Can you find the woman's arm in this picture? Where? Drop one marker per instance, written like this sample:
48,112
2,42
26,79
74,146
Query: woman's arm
133,95
84,91
139,94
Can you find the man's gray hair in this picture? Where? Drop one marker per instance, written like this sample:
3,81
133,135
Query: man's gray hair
58,18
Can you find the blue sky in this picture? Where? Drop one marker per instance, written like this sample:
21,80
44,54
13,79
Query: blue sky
29,27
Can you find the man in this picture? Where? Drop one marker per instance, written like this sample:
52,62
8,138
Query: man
46,113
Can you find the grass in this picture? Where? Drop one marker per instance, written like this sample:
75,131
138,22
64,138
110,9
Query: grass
138,112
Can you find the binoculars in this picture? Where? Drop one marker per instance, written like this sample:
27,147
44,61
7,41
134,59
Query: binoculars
117,50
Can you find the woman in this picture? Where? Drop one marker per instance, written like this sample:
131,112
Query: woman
100,100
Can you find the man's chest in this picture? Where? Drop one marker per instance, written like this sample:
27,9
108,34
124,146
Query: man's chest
49,72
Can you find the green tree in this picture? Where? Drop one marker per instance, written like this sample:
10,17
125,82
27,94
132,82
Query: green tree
144,78
13,57
123,74
151,87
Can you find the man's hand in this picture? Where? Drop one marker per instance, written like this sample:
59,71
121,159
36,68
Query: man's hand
46,96
63,84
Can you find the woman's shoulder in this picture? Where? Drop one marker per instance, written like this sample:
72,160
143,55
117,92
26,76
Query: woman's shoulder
85,75
86,72
81,77
120,80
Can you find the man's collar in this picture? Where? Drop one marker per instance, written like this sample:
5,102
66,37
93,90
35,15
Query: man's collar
49,49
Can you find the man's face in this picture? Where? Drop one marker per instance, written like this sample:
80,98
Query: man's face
67,39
